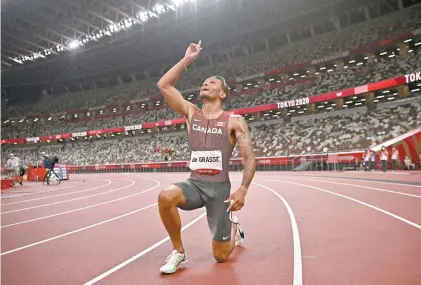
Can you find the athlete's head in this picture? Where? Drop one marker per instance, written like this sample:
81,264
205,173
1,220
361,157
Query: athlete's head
214,88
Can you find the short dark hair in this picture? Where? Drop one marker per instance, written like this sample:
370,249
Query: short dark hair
224,83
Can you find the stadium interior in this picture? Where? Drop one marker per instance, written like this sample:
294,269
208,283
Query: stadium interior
330,91
45,101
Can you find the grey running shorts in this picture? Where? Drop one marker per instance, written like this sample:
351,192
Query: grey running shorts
199,193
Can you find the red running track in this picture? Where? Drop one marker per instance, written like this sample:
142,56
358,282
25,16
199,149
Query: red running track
347,232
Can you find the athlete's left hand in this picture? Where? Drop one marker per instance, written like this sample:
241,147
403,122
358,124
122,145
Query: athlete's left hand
237,199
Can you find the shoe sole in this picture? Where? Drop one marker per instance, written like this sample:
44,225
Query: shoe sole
173,271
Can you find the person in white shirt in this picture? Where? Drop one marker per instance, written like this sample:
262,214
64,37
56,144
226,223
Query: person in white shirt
384,155
366,159
408,163
15,164
395,159
372,160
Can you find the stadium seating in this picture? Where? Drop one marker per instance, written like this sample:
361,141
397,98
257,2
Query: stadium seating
382,68
334,132
313,48
355,130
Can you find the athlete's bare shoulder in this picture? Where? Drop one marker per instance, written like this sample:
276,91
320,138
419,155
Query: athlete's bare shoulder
239,129
236,122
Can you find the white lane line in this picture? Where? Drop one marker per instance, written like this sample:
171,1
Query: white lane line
298,267
140,254
70,200
34,193
76,231
381,182
88,207
352,179
49,197
357,185
354,200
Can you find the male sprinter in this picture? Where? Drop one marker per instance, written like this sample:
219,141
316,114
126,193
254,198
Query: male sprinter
212,136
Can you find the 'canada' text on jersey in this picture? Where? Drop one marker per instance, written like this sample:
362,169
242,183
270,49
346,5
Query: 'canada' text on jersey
206,130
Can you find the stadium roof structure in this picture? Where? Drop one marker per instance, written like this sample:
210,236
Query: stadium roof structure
58,41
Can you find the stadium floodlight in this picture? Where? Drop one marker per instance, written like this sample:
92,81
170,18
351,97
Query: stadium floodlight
159,8
113,28
143,16
407,41
128,22
418,43
74,44
17,60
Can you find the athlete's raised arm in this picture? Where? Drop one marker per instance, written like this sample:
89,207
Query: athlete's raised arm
166,83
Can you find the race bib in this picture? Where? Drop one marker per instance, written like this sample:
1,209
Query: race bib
206,162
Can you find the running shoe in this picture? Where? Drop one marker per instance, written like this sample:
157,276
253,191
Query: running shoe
239,235
173,261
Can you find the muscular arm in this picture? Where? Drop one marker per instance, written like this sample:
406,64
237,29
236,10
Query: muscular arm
174,98
242,135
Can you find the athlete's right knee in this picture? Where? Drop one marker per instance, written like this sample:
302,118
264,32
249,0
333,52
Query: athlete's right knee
171,196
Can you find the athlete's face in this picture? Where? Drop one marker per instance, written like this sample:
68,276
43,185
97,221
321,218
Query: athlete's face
212,89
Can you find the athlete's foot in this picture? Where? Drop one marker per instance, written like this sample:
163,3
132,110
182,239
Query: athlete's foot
239,235
173,261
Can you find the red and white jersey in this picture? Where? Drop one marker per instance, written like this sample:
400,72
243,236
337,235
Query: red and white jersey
384,154
395,154
210,147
